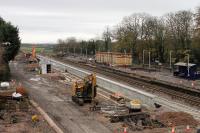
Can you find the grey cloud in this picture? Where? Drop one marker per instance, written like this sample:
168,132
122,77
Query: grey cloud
46,20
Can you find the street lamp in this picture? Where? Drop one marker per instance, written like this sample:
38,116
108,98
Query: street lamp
68,50
143,56
74,50
107,59
99,56
125,56
149,59
86,52
170,59
188,67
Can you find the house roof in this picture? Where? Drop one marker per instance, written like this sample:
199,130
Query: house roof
184,64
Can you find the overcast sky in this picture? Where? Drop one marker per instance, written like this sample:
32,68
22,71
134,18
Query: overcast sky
44,21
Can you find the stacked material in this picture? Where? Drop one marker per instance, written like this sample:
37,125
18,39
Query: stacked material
177,119
114,58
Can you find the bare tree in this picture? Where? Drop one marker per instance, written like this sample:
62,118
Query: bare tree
60,46
131,30
196,38
107,36
160,38
197,22
180,27
149,29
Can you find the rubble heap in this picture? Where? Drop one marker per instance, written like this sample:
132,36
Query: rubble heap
177,119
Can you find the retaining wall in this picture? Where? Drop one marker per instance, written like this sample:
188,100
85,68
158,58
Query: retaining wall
130,92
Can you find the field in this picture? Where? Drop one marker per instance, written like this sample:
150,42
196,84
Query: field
40,48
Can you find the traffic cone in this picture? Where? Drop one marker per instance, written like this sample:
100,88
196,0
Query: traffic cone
125,130
192,84
187,129
173,130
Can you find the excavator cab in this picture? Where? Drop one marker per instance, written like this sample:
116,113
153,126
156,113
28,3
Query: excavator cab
85,90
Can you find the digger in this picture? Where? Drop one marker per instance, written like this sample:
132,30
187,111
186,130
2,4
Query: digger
32,62
84,91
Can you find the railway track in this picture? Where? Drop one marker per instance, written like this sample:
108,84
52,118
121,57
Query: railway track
191,98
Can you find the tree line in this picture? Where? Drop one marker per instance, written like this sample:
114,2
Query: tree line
177,33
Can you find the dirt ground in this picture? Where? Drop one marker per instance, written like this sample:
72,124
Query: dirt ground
54,97
20,121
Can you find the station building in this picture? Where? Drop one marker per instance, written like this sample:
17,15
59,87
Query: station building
182,70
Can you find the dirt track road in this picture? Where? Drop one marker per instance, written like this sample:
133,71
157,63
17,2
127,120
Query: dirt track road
57,103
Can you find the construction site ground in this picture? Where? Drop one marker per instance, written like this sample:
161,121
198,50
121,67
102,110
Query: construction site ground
20,120
54,97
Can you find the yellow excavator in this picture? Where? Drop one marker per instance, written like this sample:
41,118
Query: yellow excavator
85,90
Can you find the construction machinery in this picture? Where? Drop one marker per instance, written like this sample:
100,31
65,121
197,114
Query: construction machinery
32,62
85,90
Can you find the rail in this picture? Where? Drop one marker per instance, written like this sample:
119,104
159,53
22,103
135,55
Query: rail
129,91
